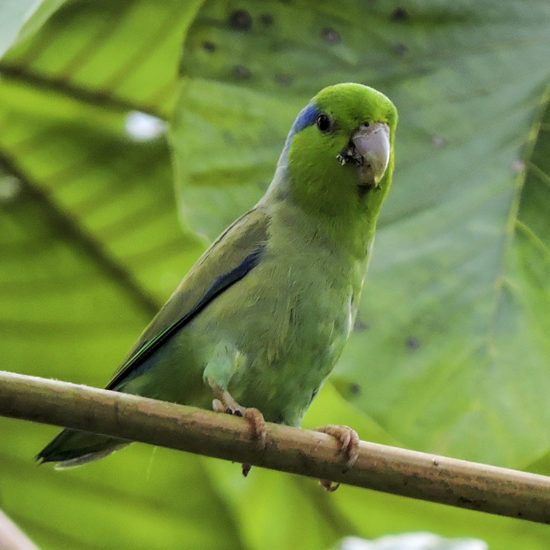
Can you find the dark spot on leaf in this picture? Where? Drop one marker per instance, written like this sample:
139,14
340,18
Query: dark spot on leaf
240,20
209,46
399,14
355,389
241,72
330,35
359,326
283,79
412,343
401,49
266,19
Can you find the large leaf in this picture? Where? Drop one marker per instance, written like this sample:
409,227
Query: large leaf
90,246
451,349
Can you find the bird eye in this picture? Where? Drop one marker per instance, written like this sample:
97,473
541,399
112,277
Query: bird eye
323,122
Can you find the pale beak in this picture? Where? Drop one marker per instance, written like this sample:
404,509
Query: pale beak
372,144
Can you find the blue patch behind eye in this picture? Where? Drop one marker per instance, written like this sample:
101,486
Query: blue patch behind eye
308,115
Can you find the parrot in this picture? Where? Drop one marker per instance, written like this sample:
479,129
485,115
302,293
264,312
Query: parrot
260,320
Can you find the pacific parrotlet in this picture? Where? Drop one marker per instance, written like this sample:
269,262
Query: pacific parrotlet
262,317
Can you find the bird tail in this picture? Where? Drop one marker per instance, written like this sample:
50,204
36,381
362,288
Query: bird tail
74,448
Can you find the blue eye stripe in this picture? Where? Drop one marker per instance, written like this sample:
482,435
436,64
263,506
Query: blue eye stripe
307,116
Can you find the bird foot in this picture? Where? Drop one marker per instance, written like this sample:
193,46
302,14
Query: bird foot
349,447
224,403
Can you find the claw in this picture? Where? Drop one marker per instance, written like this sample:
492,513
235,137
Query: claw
224,403
329,486
349,447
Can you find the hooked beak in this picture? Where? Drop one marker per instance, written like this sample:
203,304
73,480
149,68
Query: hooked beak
369,150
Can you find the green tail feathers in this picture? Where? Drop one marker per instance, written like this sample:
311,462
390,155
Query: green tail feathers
74,448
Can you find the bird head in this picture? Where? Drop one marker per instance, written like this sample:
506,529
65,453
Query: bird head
340,147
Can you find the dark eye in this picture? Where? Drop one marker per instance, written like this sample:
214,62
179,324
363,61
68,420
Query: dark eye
323,122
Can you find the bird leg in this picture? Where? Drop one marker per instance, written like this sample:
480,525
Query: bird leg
224,403
348,441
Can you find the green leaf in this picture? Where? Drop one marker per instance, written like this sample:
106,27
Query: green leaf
90,245
451,351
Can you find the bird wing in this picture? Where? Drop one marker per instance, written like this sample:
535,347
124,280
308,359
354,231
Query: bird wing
234,254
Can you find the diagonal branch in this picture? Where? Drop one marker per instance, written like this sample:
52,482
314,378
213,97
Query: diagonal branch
393,470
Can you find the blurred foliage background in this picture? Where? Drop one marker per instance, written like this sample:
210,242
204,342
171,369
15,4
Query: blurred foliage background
104,105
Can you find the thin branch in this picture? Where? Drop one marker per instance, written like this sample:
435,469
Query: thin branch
393,470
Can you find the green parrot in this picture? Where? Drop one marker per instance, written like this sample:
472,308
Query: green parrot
260,320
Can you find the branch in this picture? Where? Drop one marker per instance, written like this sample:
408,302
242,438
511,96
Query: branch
390,469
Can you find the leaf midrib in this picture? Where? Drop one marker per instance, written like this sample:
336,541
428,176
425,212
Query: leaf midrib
82,239
512,224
